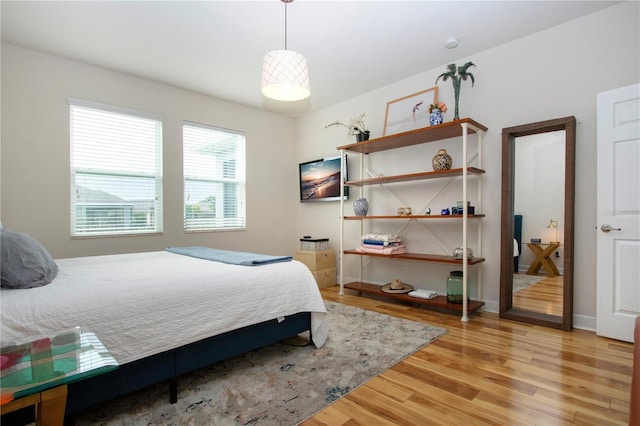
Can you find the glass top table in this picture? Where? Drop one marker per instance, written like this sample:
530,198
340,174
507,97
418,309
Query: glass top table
45,362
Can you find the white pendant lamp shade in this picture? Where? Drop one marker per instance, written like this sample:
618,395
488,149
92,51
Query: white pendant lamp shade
285,76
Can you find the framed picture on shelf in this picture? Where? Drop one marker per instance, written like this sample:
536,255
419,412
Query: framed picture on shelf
410,112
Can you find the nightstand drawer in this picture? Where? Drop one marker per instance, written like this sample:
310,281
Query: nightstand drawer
316,260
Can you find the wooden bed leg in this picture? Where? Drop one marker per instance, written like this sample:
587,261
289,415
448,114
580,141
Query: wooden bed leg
173,390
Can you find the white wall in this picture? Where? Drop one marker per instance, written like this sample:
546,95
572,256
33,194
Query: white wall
555,73
35,156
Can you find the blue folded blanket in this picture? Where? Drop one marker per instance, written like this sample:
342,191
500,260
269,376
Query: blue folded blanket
227,256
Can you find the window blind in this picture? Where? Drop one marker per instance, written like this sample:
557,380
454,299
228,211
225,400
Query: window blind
214,178
116,170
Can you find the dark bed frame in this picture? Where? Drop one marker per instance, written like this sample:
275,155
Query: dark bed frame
169,365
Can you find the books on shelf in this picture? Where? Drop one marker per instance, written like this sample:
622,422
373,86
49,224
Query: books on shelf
382,244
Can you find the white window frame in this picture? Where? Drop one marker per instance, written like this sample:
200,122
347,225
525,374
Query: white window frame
225,183
152,222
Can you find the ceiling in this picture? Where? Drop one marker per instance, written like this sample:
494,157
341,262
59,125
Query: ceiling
216,47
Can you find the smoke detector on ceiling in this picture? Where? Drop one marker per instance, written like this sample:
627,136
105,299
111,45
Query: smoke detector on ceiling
451,43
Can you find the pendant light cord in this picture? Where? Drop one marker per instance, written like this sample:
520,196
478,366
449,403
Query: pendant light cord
285,25
286,2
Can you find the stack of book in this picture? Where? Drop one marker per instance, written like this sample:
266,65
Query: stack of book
382,244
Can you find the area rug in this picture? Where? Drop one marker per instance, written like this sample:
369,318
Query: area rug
279,384
522,281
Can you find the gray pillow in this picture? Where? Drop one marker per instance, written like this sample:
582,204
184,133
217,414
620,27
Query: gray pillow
25,263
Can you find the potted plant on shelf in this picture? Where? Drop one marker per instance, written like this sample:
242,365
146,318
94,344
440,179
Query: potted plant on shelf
462,75
356,127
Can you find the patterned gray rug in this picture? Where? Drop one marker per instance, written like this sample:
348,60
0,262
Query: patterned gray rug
522,281
279,384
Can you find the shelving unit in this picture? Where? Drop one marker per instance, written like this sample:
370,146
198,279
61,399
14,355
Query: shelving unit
457,128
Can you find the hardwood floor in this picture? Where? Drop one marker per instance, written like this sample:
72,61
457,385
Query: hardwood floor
490,371
545,296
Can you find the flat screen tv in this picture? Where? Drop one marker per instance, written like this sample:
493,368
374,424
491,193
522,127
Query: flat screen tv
320,179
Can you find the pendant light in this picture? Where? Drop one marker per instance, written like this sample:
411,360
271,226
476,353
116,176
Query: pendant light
285,76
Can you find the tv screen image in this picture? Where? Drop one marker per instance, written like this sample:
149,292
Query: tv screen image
320,179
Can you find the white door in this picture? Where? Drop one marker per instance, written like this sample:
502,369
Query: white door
618,228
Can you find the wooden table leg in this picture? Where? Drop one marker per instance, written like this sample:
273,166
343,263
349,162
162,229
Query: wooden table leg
543,259
50,411
20,403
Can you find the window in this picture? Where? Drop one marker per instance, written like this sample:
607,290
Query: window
214,178
116,170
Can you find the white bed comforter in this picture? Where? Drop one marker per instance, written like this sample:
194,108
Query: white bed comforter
144,303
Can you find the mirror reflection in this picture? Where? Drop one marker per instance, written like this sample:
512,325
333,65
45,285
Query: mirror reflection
538,181
538,206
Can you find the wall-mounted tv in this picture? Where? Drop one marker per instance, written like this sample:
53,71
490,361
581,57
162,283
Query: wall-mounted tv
320,179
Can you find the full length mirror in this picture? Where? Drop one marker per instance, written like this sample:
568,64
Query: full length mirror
536,272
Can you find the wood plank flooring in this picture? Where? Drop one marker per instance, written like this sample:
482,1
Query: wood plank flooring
545,296
490,371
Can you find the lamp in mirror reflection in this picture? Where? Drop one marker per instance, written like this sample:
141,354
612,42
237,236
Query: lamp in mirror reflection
285,75
553,224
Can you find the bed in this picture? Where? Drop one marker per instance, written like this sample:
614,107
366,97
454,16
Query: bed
517,236
162,314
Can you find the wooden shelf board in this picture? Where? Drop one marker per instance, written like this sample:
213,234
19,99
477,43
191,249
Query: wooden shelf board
450,129
413,176
439,302
419,256
415,216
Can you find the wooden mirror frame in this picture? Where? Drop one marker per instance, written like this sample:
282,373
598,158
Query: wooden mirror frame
509,135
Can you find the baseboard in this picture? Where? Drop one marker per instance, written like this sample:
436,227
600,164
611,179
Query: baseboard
584,322
491,306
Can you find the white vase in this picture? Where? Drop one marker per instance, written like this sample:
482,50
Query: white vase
361,207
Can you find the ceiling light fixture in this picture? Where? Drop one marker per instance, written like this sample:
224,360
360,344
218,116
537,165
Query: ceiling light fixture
285,76
451,43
